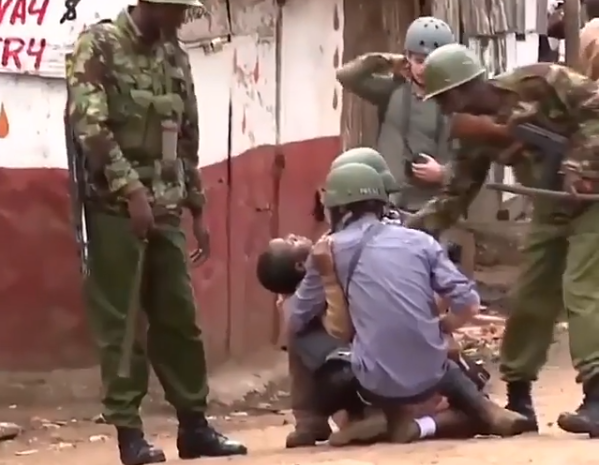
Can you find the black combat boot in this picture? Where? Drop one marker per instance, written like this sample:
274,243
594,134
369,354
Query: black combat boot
586,418
134,449
196,439
519,399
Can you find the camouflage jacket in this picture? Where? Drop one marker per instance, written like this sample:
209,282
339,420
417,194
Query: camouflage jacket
545,94
117,83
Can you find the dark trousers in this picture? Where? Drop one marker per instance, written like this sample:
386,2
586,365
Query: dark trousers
461,392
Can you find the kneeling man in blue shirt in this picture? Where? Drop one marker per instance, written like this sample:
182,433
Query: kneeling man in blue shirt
399,352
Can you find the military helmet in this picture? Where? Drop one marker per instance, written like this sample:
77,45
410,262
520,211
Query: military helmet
426,34
449,67
372,158
193,3
353,182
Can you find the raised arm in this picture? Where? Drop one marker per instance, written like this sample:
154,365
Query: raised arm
87,75
371,77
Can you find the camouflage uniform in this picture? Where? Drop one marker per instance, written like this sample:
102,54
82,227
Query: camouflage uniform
122,91
561,254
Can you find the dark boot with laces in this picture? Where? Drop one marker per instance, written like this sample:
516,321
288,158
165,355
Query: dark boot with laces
134,449
585,420
519,400
196,438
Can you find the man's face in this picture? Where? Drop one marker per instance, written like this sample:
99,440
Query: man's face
453,101
168,18
416,66
298,246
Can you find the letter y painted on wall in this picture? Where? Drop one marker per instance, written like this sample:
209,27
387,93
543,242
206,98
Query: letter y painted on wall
4,124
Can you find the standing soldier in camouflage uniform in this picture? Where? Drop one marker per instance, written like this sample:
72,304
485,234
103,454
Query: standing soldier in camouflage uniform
561,253
413,136
134,114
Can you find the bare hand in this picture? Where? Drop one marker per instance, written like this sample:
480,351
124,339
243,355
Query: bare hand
398,63
140,213
201,234
431,171
322,256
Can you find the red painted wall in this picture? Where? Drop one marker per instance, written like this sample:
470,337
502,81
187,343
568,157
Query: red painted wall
42,319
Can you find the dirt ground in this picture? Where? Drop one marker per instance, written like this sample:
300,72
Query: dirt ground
54,439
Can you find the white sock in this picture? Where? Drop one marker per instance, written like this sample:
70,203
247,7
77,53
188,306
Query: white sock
427,427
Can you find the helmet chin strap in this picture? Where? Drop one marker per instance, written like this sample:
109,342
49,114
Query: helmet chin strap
419,87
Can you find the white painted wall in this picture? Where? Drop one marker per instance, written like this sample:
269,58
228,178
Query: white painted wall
243,71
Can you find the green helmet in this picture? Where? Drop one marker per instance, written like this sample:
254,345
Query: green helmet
372,158
353,182
196,3
449,67
426,34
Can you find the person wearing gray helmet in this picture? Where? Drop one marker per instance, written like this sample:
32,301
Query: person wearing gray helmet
413,135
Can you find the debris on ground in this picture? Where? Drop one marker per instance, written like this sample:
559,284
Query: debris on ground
9,431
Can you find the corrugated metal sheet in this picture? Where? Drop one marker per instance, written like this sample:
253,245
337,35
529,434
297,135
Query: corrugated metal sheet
370,26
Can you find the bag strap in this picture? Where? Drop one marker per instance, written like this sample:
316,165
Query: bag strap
369,234
439,134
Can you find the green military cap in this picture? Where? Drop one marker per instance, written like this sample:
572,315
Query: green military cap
371,158
353,182
449,67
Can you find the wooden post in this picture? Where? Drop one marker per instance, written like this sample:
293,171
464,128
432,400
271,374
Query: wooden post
572,32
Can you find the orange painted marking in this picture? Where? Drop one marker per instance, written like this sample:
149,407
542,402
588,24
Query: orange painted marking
4,124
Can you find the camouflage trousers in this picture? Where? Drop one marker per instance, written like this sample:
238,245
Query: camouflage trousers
560,271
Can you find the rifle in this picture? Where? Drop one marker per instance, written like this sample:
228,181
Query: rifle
553,147
77,183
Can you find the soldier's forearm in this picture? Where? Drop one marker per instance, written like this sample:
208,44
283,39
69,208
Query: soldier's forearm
436,216
359,69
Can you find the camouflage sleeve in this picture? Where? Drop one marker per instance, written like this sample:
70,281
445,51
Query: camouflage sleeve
188,143
363,78
580,97
466,175
88,109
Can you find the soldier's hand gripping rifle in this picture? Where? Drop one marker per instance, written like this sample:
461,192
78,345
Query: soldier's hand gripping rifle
553,182
552,146
77,183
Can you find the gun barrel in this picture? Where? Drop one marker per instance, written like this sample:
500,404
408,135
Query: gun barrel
536,192
535,135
